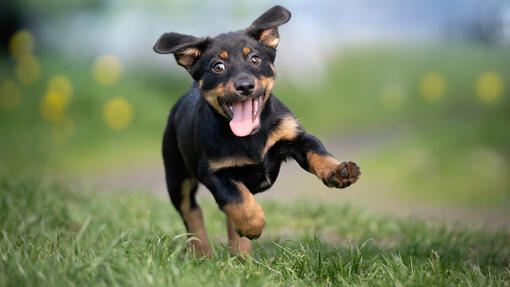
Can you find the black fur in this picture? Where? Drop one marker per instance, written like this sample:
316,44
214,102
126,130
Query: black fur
198,132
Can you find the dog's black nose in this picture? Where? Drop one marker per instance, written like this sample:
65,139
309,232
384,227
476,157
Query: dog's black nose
244,86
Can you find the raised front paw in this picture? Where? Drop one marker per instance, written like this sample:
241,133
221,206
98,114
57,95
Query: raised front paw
343,175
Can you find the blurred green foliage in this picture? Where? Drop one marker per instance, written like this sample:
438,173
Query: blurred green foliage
51,8
458,144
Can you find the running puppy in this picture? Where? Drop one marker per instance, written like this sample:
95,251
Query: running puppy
230,133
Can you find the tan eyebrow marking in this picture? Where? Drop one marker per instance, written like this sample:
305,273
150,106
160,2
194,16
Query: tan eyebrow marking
223,55
246,50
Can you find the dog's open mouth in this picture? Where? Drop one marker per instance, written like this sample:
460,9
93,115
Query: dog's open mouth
245,115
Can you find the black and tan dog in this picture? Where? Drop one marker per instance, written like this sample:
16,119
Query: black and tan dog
230,133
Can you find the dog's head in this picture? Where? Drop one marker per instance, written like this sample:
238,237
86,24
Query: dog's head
234,71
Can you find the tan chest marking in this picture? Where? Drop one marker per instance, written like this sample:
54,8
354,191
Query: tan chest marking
287,130
216,164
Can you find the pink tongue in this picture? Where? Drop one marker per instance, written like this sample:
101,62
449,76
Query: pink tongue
241,123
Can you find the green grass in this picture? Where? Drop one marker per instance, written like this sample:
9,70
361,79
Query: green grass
52,235
456,153
446,168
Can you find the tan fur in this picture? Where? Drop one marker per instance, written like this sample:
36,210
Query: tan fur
190,51
194,221
247,215
187,56
246,50
273,42
229,88
286,130
236,243
211,96
321,165
270,37
267,83
215,164
223,55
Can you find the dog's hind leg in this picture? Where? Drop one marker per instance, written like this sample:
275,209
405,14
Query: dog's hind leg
182,188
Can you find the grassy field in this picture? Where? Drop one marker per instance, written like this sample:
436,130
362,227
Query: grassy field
454,153
52,235
457,144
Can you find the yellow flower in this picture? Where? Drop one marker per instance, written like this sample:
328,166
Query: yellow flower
107,69
28,69
489,87
53,106
432,86
60,84
117,113
21,43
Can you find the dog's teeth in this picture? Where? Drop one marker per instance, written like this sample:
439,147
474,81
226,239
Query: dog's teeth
256,107
231,108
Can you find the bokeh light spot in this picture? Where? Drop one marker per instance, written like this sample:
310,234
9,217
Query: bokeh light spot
489,87
64,130
117,113
9,95
21,43
432,86
53,106
60,84
28,69
392,96
107,69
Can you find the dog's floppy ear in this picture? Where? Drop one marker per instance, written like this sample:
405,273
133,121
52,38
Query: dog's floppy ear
265,27
185,48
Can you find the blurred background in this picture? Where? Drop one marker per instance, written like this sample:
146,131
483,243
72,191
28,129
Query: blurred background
416,92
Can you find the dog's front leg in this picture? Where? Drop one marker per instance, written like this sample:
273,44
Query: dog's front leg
238,203
311,155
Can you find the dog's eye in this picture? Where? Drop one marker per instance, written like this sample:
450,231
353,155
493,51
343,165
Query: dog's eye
255,60
219,67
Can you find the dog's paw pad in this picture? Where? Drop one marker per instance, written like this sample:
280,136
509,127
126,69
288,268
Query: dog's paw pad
343,175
